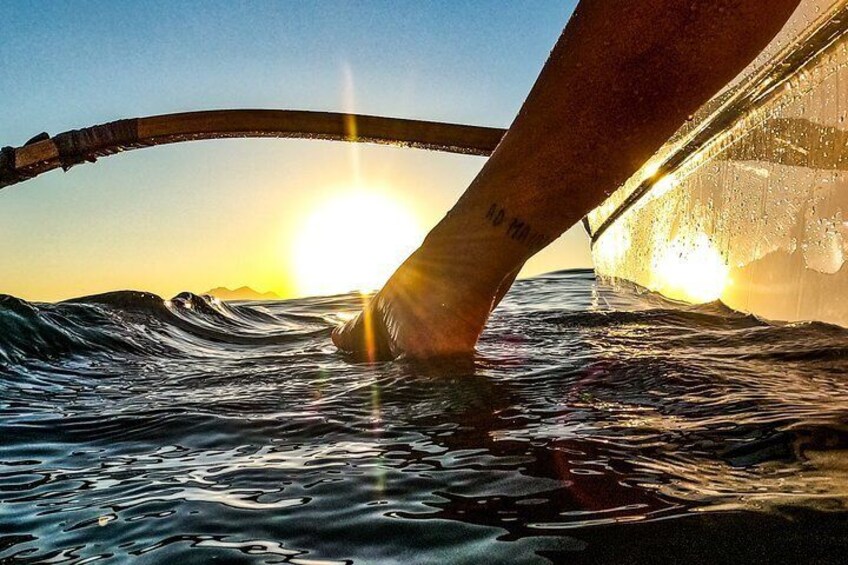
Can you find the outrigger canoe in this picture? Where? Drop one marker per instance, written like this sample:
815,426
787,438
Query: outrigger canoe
747,203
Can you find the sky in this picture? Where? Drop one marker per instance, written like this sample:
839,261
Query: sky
199,215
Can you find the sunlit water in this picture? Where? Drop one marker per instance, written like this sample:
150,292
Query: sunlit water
594,425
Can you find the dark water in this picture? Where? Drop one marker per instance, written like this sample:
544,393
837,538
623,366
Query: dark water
594,425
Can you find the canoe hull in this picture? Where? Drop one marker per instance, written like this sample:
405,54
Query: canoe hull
749,203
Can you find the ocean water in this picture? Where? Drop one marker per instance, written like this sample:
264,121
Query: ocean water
595,424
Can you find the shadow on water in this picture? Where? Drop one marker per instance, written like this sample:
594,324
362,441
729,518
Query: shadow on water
593,426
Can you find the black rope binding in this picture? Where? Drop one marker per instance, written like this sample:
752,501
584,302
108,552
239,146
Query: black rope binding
87,144
8,174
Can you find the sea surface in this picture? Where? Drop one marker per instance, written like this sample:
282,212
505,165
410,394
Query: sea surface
595,424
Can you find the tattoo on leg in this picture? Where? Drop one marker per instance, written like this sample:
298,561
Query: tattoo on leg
495,215
516,228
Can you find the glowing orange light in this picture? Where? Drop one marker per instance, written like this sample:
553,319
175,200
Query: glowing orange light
691,269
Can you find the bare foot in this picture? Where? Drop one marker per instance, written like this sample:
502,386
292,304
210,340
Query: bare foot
428,308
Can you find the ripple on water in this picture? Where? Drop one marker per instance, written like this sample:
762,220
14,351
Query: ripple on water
593,424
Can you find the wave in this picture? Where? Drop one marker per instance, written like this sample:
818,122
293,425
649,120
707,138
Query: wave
584,407
140,323
135,323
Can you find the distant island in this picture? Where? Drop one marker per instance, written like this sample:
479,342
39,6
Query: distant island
242,293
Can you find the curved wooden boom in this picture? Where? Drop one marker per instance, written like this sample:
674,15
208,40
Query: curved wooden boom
44,153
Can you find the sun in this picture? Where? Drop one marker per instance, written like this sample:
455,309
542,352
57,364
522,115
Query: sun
353,241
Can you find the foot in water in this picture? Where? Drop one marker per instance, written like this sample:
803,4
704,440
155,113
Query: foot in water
609,96
428,308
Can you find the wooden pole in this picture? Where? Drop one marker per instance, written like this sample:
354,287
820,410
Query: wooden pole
45,153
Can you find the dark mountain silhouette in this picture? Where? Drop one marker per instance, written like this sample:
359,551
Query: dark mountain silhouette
241,293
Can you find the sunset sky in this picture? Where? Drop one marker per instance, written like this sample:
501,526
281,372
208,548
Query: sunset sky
263,213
